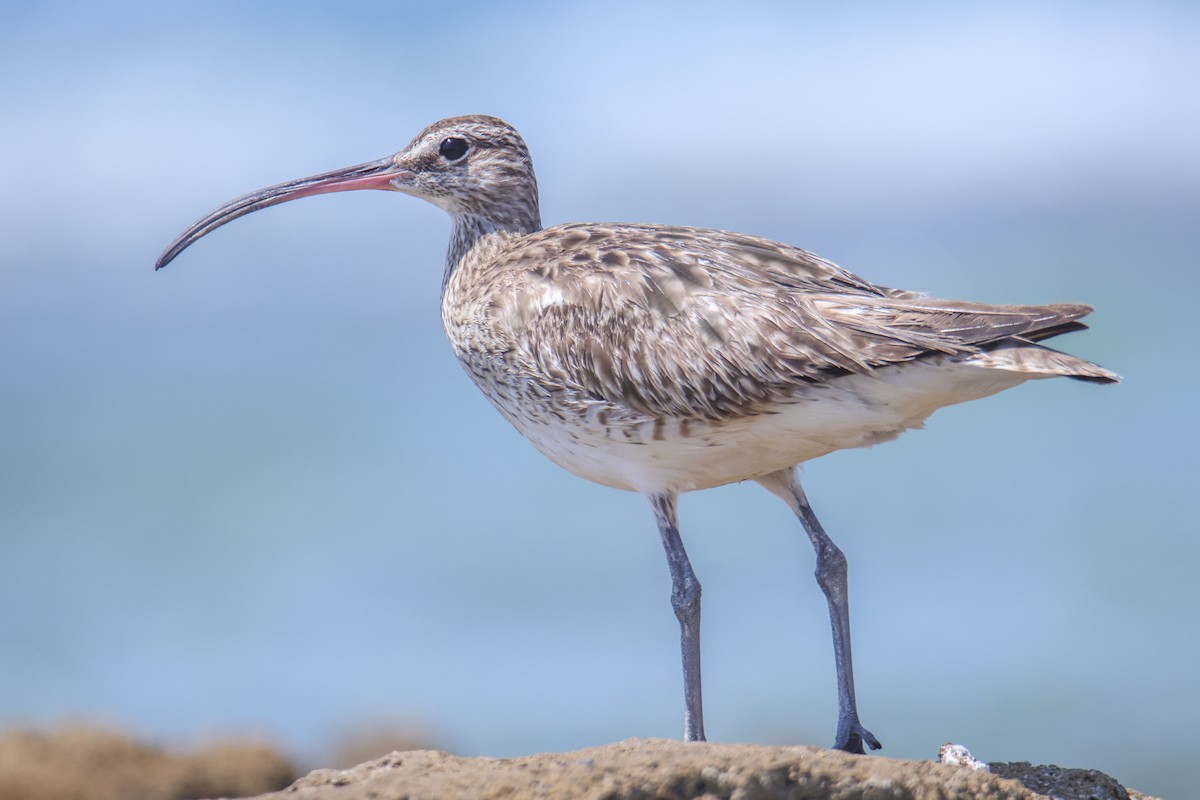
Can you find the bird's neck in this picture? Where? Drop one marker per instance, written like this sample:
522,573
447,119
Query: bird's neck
470,229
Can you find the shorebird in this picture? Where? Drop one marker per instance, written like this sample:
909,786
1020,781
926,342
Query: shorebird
662,359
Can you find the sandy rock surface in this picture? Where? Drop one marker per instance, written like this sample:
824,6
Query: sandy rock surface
654,769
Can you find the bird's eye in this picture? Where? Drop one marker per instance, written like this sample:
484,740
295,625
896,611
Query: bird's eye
453,149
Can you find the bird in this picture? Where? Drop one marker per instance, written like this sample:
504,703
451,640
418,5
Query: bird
662,359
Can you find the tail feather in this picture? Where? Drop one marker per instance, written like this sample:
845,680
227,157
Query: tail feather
1004,337
1054,330
1035,359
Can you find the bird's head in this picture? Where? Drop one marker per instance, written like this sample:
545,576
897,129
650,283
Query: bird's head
476,168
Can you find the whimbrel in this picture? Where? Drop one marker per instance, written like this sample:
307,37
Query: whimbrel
662,359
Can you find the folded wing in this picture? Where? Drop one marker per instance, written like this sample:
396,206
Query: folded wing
681,322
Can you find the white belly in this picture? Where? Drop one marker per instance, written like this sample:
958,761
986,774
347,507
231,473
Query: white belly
649,455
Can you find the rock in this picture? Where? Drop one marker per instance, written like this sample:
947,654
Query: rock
655,769
89,764
1065,784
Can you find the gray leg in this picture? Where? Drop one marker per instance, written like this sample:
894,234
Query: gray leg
831,576
685,599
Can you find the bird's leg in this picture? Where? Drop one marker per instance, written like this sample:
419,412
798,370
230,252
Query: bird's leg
685,599
831,576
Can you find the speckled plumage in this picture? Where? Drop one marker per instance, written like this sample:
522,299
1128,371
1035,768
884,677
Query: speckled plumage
653,333
665,359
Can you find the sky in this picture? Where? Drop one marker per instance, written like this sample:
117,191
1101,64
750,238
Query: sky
253,493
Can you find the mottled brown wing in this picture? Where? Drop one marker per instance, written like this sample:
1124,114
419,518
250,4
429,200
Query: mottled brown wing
684,322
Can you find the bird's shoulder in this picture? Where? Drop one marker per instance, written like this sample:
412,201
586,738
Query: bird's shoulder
699,258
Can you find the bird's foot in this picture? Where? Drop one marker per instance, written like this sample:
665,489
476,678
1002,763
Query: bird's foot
851,739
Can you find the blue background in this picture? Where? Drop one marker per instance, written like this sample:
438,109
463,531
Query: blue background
255,493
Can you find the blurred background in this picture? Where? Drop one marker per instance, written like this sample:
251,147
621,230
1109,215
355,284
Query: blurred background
254,493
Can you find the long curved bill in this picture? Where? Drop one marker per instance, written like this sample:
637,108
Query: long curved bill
381,174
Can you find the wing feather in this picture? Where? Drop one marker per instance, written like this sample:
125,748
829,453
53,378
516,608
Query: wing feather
682,322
